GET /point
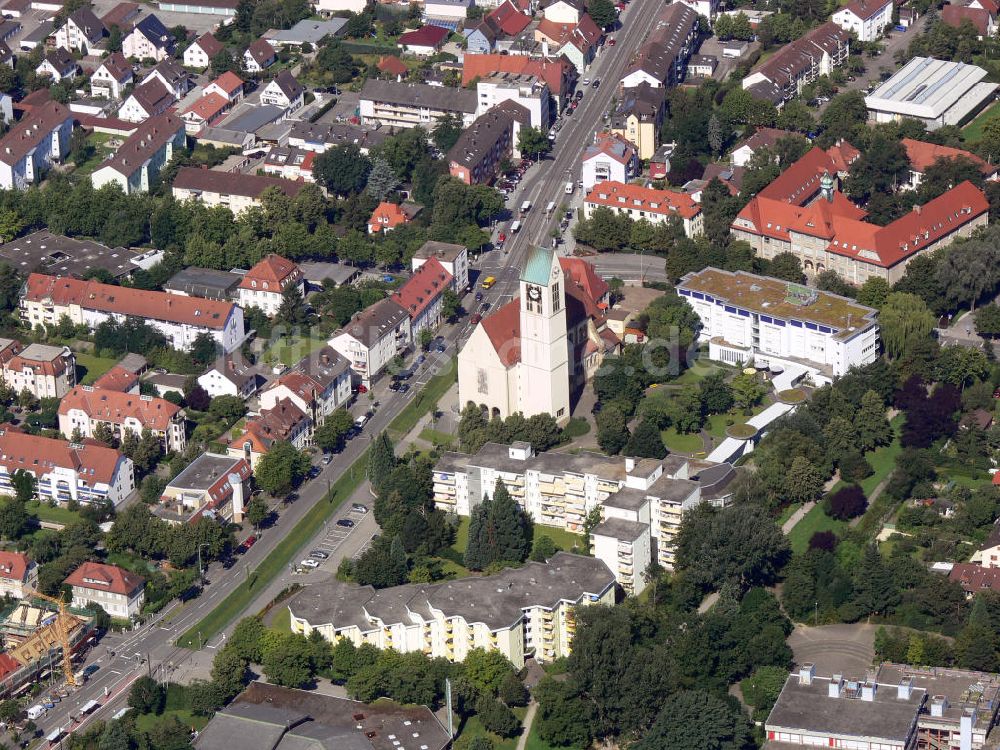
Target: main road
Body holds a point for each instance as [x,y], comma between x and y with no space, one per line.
[150,648]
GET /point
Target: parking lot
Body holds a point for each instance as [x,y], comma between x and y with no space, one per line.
[333,536]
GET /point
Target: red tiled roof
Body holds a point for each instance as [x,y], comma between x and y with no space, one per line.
[37,454]
[865,9]
[386,216]
[8,665]
[272,269]
[229,82]
[93,295]
[31,131]
[261,50]
[121,13]
[843,155]
[270,426]
[975,578]
[392,65]
[425,36]
[509,18]
[112,406]
[801,181]
[616,194]
[584,275]
[991,5]
[52,367]
[956,15]
[13,565]
[117,66]
[209,44]
[208,106]
[101,577]
[423,287]
[922,155]
[117,379]
[583,35]
[553,72]
[504,329]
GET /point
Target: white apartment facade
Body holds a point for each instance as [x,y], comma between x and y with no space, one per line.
[452,257]
[18,575]
[373,339]
[866,18]
[637,202]
[34,145]
[86,407]
[529,91]
[42,370]
[118,592]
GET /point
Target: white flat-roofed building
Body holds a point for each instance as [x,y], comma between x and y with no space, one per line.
[935,92]
[454,258]
[523,612]
[763,321]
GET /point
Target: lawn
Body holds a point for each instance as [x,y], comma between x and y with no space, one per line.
[534,741]
[146,722]
[291,349]
[101,151]
[436,437]
[472,728]
[564,540]
[813,521]
[695,374]
[787,513]
[90,367]
[682,442]
[281,620]
[883,460]
[974,130]
[47,513]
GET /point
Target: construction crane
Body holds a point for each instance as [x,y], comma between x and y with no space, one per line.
[61,628]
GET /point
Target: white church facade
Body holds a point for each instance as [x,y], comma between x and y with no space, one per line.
[530,354]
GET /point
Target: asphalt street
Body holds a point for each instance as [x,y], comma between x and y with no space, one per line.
[149,649]
[630,267]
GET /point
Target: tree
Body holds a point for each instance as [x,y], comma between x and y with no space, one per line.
[695,720]
[875,591]
[496,717]
[543,548]
[646,441]
[684,410]
[147,696]
[847,502]
[257,511]
[961,365]
[343,170]
[487,670]
[612,429]
[602,12]
[281,469]
[988,321]
[292,311]
[287,661]
[870,423]
[197,398]
[532,141]
[512,691]
[114,737]
[903,319]
[14,519]
[873,292]
[788,267]
[381,460]
[715,139]
[25,485]
[715,394]
[382,180]
[748,391]
[205,349]
[761,689]
[446,134]
[332,434]
[230,672]
[499,531]
[563,716]
[803,482]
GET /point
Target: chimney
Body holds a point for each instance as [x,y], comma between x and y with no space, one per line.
[807,671]
[905,689]
[836,684]
[629,464]
[916,209]
[868,691]
[938,705]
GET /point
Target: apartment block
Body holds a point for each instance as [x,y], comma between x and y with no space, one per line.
[408,105]
[801,62]
[638,202]
[42,370]
[85,407]
[32,146]
[136,165]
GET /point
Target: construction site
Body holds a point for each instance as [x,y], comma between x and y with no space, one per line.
[41,637]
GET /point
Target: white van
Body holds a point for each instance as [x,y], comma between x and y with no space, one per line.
[35,711]
[525,207]
[361,421]
[569,188]
[515,226]
[550,208]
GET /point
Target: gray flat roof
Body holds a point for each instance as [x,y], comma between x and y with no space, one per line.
[55,254]
[619,528]
[441,250]
[338,273]
[925,88]
[42,352]
[203,282]
[204,471]
[252,118]
[306,31]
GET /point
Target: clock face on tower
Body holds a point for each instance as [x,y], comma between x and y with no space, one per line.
[534,293]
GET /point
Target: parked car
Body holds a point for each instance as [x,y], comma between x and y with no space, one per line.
[319,554]
[403,387]
[249,542]
[346,523]
[475,318]
[309,563]
[359,508]
[327,458]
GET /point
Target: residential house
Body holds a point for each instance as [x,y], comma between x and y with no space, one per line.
[42,370]
[702,66]
[119,592]
[983,20]
[563,11]
[307,31]
[923,155]
[829,233]
[320,136]
[505,20]
[83,32]
[637,202]
[490,140]
[519,612]
[373,338]
[393,67]
[33,145]
[265,284]
[408,105]
[180,319]
[662,59]
[136,165]
[610,158]
[172,75]
[204,111]
[639,117]
[58,65]
[259,56]
[529,91]
[423,42]
[146,100]
[285,422]
[120,15]
[200,52]
[237,192]
[387,216]
[228,85]
[226,8]
[283,91]
[149,38]
[481,39]
[120,379]
[290,163]
[558,73]
[212,486]
[816,53]
[229,377]
[764,138]
[111,77]
[578,42]
[447,13]
[422,294]
[18,575]
[866,18]
[86,473]
[86,407]
[318,384]
[453,258]
[328,7]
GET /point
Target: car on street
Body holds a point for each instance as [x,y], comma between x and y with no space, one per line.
[441,346]
[90,669]
[569,111]
[362,389]
[485,306]
[394,385]
[586,81]
[579,94]
[403,387]
[346,523]
[475,318]
[319,554]
[327,458]
[309,563]
[361,421]
[479,296]
[421,358]
[313,472]
[611,41]
[249,542]
[596,83]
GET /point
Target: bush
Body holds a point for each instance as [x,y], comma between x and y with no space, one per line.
[854,467]
[496,717]
[824,540]
[847,502]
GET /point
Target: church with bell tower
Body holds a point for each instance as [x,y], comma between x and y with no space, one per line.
[529,354]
